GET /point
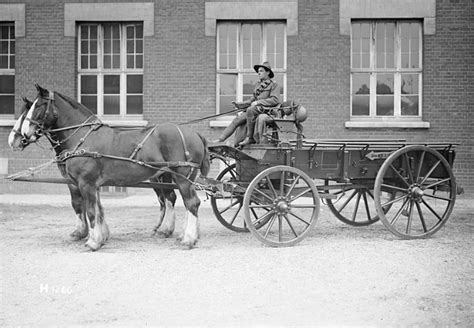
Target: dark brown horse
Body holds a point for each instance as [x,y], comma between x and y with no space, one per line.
[91,154]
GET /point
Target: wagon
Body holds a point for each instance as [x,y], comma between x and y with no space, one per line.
[274,190]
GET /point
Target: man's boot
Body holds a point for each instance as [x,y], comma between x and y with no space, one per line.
[236,122]
[250,127]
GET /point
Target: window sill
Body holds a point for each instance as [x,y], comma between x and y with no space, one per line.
[387,124]
[7,122]
[219,123]
[125,122]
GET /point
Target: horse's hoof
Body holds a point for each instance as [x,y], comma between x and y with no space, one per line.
[93,245]
[164,234]
[77,235]
[188,244]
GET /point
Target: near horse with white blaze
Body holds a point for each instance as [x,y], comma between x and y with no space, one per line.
[91,154]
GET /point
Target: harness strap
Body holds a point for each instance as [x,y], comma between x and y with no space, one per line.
[140,145]
[64,156]
[186,152]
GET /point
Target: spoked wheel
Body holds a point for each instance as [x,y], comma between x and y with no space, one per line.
[355,205]
[281,206]
[425,187]
[228,207]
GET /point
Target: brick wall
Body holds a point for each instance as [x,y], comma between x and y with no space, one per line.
[180,82]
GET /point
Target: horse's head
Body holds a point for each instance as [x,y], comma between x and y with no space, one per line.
[40,117]
[16,140]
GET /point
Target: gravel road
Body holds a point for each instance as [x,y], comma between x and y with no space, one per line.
[338,275]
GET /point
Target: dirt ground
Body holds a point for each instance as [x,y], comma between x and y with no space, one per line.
[339,275]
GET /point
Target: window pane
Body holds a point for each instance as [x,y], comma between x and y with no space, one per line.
[7,84]
[409,105]
[84,47]
[134,83]
[249,81]
[139,46]
[84,62]
[361,84]
[130,32]
[7,105]
[3,47]
[409,94]
[360,45]
[111,84]
[385,38]
[111,105]
[90,102]
[360,105]
[410,44]
[360,94]
[93,32]
[385,101]
[116,61]
[227,46]
[251,35]
[227,92]
[130,61]
[409,83]
[139,61]
[134,104]
[275,44]
[89,84]
[93,61]
[3,61]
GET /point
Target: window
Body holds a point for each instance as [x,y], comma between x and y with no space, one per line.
[240,46]
[386,69]
[111,69]
[7,69]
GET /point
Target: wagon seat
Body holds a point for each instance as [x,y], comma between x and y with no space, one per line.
[283,124]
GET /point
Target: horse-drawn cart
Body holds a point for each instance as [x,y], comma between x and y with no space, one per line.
[272,190]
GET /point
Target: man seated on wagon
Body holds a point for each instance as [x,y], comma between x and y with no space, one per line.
[265,96]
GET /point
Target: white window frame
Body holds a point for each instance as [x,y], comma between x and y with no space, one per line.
[9,71]
[100,72]
[239,70]
[395,120]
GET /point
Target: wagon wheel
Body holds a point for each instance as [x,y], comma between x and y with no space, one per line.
[355,205]
[281,206]
[425,187]
[228,207]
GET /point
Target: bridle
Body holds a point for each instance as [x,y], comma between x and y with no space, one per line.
[50,133]
[45,113]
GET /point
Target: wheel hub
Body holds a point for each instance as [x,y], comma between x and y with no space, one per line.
[282,206]
[416,193]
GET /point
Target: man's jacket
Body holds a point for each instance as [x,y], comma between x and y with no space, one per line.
[266,93]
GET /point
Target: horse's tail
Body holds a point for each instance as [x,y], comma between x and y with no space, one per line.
[206,162]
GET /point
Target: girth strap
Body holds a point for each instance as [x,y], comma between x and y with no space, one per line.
[186,152]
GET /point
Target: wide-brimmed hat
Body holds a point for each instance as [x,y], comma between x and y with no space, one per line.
[265,65]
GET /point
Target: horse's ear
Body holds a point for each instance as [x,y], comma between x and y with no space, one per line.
[42,91]
[27,101]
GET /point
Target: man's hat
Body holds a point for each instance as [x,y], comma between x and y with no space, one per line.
[265,65]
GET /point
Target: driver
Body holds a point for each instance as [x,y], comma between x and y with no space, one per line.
[265,94]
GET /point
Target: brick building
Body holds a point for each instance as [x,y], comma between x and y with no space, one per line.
[364,68]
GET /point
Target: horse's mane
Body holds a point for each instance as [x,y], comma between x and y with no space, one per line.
[75,104]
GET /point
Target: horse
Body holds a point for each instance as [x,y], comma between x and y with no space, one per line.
[91,154]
